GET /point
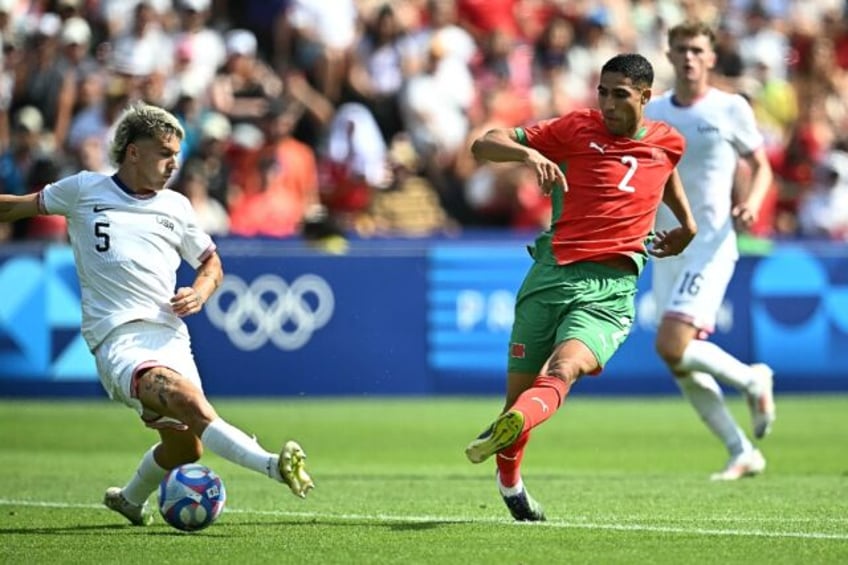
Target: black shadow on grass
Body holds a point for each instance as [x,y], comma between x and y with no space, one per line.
[393,525]
[101,529]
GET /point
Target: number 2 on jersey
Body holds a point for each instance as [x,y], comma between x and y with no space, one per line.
[633,164]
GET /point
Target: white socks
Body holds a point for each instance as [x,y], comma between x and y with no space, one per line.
[510,491]
[706,357]
[147,477]
[705,395]
[234,445]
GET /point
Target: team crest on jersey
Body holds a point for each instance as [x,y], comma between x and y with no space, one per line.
[517,350]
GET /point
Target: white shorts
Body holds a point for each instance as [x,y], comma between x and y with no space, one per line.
[691,289]
[135,346]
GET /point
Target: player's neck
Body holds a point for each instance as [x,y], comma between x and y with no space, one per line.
[128,184]
[686,93]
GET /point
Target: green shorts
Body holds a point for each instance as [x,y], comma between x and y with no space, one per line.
[587,301]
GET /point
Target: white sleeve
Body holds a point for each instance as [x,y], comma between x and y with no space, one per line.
[61,197]
[747,137]
[196,244]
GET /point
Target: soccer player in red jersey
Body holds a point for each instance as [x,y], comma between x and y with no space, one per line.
[607,170]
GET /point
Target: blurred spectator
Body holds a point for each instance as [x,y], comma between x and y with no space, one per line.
[763,42]
[8,62]
[265,18]
[190,111]
[809,140]
[117,15]
[410,205]
[212,152]
[75,41]
[377,72]
[199,47]
[211,215]
[98,119]
[442,22]
[505,74]
[556,90]
[482,17]
[353,165]
[434,105]
[319,39]
[43,81]
[595,45]
[17,162]
[296,164]
[90,154]
[823,210]
[143,53]
[243,87]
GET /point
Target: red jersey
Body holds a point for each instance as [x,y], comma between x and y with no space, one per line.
[615,185]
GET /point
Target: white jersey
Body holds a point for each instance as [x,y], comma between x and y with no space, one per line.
[718,127]
[127,249]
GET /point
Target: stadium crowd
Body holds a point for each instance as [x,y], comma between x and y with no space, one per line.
[355,116]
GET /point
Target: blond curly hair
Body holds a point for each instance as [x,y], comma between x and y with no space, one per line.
[142,121]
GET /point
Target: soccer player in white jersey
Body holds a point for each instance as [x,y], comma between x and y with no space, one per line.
[129,235]
[688,289]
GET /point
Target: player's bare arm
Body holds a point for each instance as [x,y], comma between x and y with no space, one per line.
[745,213]
[189,300]
[14,208]
[673,242]
[501,145]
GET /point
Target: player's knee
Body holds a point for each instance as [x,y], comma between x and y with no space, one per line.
[668,352]
[566,370]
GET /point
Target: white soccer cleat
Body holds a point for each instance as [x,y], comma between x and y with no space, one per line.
[292,467]
[137,514]
[761,403]
[746,464]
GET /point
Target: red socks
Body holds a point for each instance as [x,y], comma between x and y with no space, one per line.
[541,401]
[509,461]
[537,403]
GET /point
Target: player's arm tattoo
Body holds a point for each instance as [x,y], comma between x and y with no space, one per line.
[209,277]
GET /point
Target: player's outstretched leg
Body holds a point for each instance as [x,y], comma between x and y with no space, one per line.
[137,514]
[501,434]
[761,401]
[521,505]
[292,467]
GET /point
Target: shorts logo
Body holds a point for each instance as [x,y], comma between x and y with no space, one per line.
[517,350]
[270,309]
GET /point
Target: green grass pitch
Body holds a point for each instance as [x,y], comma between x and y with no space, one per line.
[622,481]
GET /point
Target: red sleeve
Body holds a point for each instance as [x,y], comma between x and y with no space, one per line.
[552,137]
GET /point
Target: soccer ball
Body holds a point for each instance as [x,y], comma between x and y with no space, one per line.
[191,497]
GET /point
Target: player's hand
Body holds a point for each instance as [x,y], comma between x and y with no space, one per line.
[744,216]
[548,174]
[671,242]
[186,301]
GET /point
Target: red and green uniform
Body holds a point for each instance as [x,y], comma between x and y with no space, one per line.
[615,185]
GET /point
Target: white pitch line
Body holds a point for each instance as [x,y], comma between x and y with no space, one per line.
[564,524]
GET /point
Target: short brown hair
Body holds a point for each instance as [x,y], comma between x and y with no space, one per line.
[692,28]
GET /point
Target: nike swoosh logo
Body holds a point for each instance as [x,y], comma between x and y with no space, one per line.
[103,208]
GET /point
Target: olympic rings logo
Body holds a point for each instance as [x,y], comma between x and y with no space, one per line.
[269,309]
